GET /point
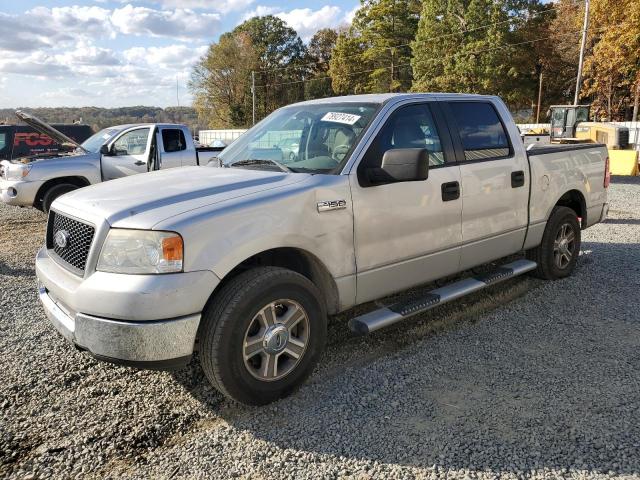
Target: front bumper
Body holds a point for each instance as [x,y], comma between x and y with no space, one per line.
[143,320]
[19,192]
[162,344]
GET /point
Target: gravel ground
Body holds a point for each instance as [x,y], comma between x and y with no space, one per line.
[529,378]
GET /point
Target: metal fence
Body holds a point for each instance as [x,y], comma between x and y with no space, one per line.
[207,137]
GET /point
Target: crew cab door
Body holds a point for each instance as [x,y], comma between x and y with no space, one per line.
[495,180]
[129,154]
[407,233]
[173,148]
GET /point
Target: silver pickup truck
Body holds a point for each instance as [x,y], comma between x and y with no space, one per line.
[244,262]
[111,153]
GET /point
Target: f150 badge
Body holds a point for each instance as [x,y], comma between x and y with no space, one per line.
[328,205]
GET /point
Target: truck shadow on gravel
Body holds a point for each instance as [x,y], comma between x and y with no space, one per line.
[489,384]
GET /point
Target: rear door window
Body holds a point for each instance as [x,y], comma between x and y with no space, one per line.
[173,140]
[481,132]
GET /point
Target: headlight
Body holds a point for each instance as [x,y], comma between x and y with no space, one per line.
[17,171]
[141,251]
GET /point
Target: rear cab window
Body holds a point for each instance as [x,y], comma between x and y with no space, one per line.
[482,133]
[173,140]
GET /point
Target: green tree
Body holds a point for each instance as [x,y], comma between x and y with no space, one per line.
[479,46]
[377,46]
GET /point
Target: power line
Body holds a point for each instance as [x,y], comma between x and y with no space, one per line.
[451,34]
[475,52]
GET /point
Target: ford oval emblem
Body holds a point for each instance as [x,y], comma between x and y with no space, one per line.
[61,238]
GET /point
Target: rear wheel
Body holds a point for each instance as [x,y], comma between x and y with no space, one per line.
[558,253]
[262,334]
[53,193]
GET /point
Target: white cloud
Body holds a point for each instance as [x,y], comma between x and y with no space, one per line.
[219,6]
[306,21]
[180,23]
[84,20]
[173,57]
[348,17]
[259,11]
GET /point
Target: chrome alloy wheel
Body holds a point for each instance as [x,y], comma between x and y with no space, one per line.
[564,246]
[276,340]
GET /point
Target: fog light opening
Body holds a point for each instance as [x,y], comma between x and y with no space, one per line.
[12,192]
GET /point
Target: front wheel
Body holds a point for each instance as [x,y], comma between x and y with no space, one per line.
[55,192]
[558,253]
[262,334]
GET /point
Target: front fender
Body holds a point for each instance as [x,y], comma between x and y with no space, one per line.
[85,166]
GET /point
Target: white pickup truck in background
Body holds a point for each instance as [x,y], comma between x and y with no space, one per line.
[113,152]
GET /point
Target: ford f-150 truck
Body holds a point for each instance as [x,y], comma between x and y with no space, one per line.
[245,262]
[111,153]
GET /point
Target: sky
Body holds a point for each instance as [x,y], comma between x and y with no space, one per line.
[112,53]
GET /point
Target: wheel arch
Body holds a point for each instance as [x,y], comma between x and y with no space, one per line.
[76,180]
[573,199]
[297,260]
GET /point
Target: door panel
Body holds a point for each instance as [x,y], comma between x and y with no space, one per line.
[405,233]
[495,183]
[173,148]
[131,151]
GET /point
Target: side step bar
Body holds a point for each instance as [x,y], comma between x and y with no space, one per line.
[386,316]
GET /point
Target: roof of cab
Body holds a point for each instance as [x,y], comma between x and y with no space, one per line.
[386,97]
[126,126]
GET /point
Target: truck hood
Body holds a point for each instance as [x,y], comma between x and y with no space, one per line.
[142,201]
[47,129]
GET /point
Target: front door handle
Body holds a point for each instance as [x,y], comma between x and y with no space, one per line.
[517,179]
[140,162]
[450,191]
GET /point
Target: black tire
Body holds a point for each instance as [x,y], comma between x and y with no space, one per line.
[545,254]
[226,321]
[53,193]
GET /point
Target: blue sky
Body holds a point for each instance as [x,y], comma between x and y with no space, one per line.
[126,52]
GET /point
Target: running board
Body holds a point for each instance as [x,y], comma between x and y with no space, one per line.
[386,316]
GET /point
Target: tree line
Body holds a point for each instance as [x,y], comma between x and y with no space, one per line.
[517,49]
[99,118]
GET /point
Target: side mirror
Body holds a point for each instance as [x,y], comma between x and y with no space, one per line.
[402,165]
[104,150]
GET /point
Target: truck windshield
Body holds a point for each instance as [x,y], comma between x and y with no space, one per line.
[95,141]
[311,138]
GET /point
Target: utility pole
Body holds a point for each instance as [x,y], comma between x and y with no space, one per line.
[177,94]
[253,95]
[539,97]
[582,47]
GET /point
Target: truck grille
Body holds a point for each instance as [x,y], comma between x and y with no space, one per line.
[69,240]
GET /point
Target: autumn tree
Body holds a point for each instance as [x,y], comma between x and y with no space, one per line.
[612,67]
[280,68]
[220,81]
[319,52]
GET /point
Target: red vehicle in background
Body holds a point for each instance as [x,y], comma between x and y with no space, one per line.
[18,141]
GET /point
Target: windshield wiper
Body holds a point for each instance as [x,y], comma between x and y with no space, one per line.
[258,161]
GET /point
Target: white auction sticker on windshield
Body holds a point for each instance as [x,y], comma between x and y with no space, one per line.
[346,118]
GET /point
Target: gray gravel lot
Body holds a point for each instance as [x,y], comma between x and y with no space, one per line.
[529,378]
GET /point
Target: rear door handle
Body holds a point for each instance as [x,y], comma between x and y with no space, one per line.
[140,162]
[517,179]
[450,191]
